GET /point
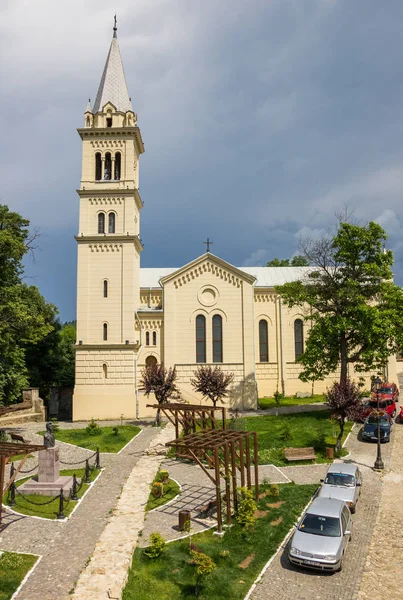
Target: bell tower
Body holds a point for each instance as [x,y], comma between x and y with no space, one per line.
[109,247]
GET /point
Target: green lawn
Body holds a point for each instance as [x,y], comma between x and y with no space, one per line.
[294,431]
[239,555]
[48,511]
[106,440]
[171,489]
[266,403]
[13,568]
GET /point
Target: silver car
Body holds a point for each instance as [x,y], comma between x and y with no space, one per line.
[342,481]
[322,535]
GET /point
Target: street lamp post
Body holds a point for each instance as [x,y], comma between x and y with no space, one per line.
[379,462]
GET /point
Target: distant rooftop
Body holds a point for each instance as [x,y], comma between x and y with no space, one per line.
[265,276]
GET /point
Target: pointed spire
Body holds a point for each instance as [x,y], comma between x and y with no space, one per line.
[113,87]
[88,109]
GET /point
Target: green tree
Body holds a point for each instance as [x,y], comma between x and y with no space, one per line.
[350,301]
[25,316]
[295,261]
[51,361]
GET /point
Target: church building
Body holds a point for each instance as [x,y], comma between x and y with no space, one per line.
[205,312]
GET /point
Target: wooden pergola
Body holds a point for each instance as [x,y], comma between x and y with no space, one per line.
[224,454]
[220,452]
[192,416]
[7,451]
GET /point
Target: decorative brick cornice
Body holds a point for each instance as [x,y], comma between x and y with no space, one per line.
[206,267]
[105,201]
[150,324]
[113,132]
[262,297]
[105,247]
[107,144]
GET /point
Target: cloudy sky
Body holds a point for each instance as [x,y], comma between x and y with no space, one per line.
[261,120]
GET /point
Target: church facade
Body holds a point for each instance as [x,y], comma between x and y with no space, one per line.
[205,312]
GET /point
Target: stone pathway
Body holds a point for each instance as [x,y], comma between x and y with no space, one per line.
[106,574]
[384,563]
[67,546]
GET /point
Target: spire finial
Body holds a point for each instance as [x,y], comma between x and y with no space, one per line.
[115,28]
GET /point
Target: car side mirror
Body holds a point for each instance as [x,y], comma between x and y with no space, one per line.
[295,524]
[358,484]
[347,532]
[322,480]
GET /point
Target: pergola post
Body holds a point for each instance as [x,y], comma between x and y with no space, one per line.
[233,469]
[248,477]
[241,462]
[218,490]
[256,464]
[227,484]
[2,471]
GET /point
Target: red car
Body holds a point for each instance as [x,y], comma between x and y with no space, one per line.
[388,394]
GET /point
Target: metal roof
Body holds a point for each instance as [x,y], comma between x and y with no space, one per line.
[265,276]
[326,507]
[348,469]
[113,87]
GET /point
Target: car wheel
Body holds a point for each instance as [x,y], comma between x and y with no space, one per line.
[341,564]
[352,510]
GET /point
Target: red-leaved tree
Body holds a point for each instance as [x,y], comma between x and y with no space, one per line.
[344,400]
[161,381]
[212,383]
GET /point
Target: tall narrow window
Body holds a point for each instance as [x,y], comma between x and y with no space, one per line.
[109,121]
[108,166]
[154,338]
[298,338]
[105,370]
[98,166]
[118,162]
[147,338]
[263,341]
[111,222]
[105,331]
[217,338]
[200,339]
[101,222]
[105,288]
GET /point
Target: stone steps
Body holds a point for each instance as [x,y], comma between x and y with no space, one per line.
[17,419]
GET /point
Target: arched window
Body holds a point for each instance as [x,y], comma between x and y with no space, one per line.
[101,222]
[108,166]
[154,338]
[298,338]
[105,370]
[263,341]
[147,338]
[118,161]
[200,339]
[105,331]
[105,288]
[217,338]
[98,166]
[151,361]
[111,222]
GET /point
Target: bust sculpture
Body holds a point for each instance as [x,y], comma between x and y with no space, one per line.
[49,438]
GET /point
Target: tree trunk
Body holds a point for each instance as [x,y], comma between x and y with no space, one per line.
[343,358]
[158,417]
[340,436]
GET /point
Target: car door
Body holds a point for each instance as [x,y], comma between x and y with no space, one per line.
[345,521]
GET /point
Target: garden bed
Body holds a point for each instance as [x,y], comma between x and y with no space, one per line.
[268,403]
[47,511]
[106,439]
[239,555]
[299,430]
[171,489]
[13,568]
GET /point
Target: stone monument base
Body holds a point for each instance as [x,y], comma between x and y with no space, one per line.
[47,488]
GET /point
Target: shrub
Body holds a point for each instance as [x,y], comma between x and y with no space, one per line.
[162,476]
[274,490]
[115,431]
[286,434]
[246,508]
[224,553]
[4,436]
[156,547]
[204,566]
[157,489]
[55,424]
[92,428]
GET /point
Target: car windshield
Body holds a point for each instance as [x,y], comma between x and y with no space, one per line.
[374,404]
[340,479]
[386,390]
[372,419]
[318,525]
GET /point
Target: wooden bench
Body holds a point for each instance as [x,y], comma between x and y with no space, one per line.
[299,454]
[15,437]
